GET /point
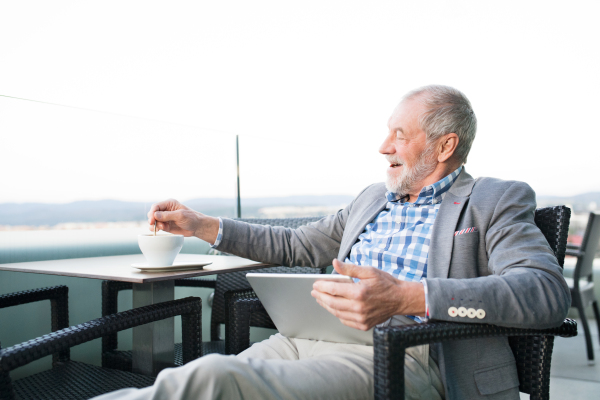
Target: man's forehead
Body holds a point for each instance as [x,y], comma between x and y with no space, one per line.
[405,115]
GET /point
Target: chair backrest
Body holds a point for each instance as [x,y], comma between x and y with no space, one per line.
[534,353]
[237,280]
[554,224]
[589,244]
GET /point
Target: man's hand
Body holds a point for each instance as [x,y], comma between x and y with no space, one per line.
[172,216]
[371,301]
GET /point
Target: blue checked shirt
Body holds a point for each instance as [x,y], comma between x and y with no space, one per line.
[397,241]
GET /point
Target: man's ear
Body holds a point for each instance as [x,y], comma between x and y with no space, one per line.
[447,146]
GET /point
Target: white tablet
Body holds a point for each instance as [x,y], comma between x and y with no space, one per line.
[296,314]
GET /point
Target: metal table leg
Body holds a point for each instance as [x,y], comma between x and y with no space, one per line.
[153,343]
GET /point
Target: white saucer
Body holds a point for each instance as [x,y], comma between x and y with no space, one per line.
[177,266]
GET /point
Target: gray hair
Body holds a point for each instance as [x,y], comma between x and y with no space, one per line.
[447,110]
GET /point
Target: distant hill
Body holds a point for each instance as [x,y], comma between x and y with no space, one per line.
[580,203]
[39,214]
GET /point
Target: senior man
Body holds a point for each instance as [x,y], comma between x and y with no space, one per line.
[432,242]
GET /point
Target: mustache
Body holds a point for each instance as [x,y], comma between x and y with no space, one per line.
[394,160]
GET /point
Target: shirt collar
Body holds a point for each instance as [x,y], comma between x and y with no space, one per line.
[431,194]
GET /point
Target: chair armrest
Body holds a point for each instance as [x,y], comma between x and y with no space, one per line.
[574,252]
[573,246]
[196,282]
[30,296]
[390,344]
[241,306]
[59,308]
[189,308]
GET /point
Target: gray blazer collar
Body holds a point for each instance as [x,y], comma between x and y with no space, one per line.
[463,185]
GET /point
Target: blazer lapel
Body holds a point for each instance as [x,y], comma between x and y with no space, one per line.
[442,235]
[357,226]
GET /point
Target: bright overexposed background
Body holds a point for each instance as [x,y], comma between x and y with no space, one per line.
[146,97]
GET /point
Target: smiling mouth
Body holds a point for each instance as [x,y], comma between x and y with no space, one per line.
[395,165]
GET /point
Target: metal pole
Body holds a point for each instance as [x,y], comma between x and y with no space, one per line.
[239,199]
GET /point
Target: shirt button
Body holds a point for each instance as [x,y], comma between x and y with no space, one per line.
[471,313]
[452,311]
[480,314]
[462,312]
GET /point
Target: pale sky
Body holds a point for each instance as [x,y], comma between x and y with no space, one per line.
[308,86]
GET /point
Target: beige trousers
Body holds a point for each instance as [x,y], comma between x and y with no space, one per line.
[286,368]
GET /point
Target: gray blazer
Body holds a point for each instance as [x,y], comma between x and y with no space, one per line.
[505,267]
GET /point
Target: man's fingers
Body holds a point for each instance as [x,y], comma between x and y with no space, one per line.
[341,289]
[166,205]
[334,302]
[164,216]
[348,318]
[153,209]
[355,271]
[162,206]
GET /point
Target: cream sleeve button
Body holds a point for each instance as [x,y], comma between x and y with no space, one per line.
[480,314]
[462,312]
[471,313]
[452,311]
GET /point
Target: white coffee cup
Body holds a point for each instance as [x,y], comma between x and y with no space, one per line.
[160,250]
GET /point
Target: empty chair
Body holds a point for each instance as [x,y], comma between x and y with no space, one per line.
[68,379]
[582,284]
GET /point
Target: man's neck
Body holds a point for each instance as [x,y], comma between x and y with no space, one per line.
[441,171]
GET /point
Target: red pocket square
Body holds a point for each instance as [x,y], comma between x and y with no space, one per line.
[466,230]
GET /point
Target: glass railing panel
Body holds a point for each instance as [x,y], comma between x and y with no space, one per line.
[79,183]
[281,178]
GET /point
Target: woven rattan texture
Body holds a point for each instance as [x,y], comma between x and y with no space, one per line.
[532,348]
[207,348]
[113,358]
[554,224]
[237,280]
[59,309]
[534,353]
[243,307]
[390,343]
[16,356]
[74,380]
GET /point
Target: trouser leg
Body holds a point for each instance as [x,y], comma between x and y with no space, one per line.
[284,368]
[277,368]
[422,378]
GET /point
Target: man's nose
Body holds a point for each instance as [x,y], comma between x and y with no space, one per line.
[387,147]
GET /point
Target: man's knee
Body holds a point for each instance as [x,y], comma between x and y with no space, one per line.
[216,376]
[213,367]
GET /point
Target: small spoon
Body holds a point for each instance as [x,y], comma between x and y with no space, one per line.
[154,227]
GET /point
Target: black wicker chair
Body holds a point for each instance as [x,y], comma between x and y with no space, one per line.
[114,358]
[582,284]
[532,348]
[75,380]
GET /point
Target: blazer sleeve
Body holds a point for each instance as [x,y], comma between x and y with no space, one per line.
[525,288]
[313,245]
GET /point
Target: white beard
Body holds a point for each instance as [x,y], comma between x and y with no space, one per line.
[405,183]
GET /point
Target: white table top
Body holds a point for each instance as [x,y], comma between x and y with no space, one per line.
[118,268]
